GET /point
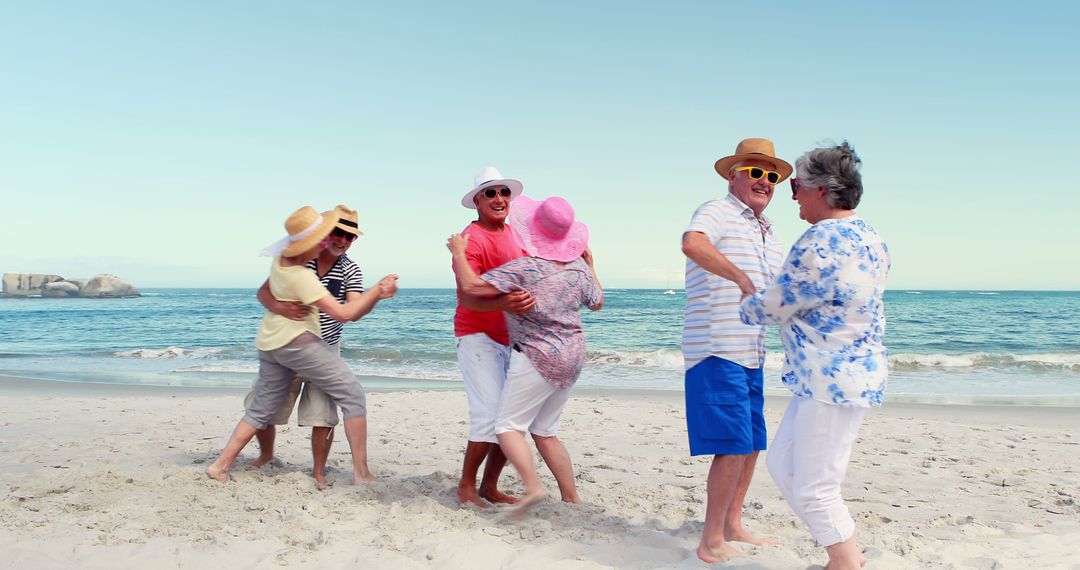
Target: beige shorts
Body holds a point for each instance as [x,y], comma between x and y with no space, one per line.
[316,408]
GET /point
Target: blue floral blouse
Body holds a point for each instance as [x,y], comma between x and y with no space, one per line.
[827,299]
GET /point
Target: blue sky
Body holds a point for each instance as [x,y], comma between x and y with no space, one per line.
[167,142]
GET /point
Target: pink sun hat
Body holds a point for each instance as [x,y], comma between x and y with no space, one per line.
[548,228]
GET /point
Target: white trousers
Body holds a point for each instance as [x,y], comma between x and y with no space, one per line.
[483,364]
[808,459]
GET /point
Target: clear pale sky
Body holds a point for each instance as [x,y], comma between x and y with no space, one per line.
[167,142]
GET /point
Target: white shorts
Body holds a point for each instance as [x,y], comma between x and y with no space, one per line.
[316,409]
[483,364]
[529,403]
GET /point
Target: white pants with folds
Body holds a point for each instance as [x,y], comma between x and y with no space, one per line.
[808,459]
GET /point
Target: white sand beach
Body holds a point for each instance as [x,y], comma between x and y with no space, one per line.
[105,476]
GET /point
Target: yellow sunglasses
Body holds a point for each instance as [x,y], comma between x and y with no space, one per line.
[756,172]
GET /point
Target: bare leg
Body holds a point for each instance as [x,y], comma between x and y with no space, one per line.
[558,461]
[517,451]
[733,528]
[265,438]
[475,452]
[356,433]
[724,478]
[845,555]
[489,485]
[321,440]
[219,469]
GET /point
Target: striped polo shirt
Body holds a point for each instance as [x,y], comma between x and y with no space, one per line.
[344,277]
[712,326]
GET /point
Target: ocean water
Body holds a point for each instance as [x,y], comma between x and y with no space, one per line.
[1000,347]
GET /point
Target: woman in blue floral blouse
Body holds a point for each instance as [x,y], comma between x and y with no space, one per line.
[827,299]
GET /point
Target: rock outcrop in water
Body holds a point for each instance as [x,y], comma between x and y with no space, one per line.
[42,285]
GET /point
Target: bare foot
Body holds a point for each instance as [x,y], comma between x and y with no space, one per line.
[526,502]
[466,495]
[321,484]
[740,535]
[217,473]
[575,500]
[497,496]
[363,478]
[260,461]
[718,553]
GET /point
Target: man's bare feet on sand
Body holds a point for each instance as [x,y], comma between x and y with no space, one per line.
[322,482]
[467,495]
[521,508]
[217,473]
[496,496]
[740,535]
[719,553]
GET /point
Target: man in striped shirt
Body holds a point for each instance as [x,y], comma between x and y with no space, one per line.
[730,253]
[343,278]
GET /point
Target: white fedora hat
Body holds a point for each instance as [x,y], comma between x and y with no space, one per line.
[490,176]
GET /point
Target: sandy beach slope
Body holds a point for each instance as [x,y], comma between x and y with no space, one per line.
[95,476]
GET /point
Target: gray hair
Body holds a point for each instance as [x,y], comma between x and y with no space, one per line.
[835,168]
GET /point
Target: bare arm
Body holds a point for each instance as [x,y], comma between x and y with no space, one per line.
[359,306]
[467,280]
[587,256]
[288,309]
[697,247]
[517,302]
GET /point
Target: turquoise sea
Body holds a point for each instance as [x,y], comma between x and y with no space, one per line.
[1006,347]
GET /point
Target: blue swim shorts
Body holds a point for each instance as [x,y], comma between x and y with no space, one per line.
[725,406]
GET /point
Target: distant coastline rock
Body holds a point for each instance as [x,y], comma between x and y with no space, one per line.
[55,286]
[60,289]
[27,284]
[108,286]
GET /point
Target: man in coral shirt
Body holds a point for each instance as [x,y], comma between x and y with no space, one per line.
[483,349]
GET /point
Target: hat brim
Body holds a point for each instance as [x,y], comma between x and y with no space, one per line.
[354,230]
[723,166]
[514,186]
[309,241]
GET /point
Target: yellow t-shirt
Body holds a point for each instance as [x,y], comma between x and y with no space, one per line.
[295,283]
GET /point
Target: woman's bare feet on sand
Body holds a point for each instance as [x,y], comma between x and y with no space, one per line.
[526,502]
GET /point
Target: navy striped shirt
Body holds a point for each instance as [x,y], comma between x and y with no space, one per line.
[344,277]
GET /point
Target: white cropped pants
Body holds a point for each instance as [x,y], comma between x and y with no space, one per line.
[808,459]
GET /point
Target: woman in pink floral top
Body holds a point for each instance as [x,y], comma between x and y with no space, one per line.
[548,342]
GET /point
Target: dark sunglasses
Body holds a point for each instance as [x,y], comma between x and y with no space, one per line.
[340,233]
[756,173]
[490,193]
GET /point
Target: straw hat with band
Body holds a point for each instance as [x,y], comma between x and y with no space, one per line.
[306,228]
[490,176]
[348,220]
[549,229]
[758,149]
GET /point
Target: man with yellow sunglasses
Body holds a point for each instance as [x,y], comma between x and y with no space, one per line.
[730,254]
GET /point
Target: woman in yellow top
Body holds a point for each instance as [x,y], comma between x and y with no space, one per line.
[290,348]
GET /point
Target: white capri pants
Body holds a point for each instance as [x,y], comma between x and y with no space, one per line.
[529,402]
[483,364]
[808,460]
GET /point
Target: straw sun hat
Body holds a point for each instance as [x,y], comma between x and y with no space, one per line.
[306,228]
[348,220]
[759,149]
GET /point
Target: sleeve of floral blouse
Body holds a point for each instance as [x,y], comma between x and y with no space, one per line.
[805,281]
